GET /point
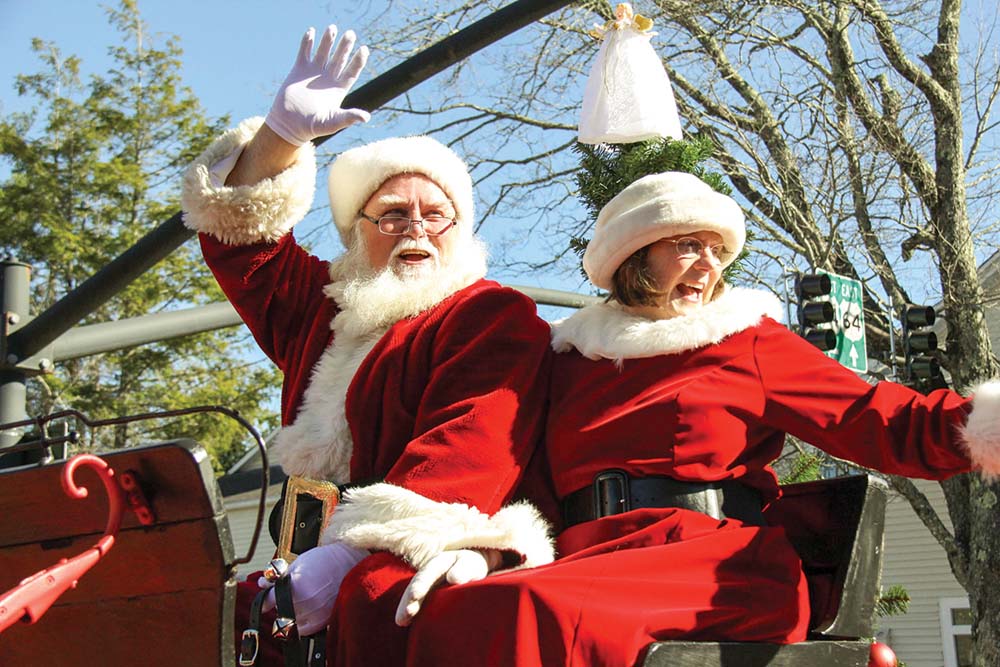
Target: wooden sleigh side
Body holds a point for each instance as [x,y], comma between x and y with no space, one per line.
[162,596]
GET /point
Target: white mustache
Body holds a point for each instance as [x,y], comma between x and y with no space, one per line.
[407,244]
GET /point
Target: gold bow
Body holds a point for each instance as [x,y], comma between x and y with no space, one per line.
[624,17]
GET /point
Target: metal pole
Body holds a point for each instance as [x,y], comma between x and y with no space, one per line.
[891,317]
[788,299]
[170,235]
[453,48]
[121,334]
[14,294]
[99,288]
[552,297]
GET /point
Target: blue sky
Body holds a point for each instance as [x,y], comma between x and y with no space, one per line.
[235,53]
[235,56]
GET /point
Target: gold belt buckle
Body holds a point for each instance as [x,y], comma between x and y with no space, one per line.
[327,492]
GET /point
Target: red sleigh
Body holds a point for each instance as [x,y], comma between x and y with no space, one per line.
[34,595]
[157,588]
[164,595]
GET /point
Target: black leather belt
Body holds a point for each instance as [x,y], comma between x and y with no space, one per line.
[615,491]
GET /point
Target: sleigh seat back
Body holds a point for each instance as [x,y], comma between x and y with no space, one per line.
[836,526]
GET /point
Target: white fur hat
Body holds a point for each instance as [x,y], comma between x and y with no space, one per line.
[357,173]
[655,207]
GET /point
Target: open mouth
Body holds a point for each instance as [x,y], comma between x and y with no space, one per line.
[413,256]
[690,292]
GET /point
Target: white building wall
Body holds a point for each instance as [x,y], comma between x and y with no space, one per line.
[914,559]
[242,511]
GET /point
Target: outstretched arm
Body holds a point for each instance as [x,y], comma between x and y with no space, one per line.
[244,213]
[887,427]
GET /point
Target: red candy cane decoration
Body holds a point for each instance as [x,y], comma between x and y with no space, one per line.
[34,595]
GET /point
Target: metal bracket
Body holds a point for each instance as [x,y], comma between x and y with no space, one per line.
[136,498]
[39,363]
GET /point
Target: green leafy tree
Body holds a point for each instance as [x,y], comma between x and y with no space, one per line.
[93,167]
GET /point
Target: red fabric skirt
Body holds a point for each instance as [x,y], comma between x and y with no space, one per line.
[628,580]
[363,630]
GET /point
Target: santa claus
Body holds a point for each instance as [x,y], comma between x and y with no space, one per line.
[403,367]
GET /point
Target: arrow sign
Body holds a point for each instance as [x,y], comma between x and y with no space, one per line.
[851,350]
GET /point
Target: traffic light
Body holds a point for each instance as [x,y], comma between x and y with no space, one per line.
[917,343]
[812,313]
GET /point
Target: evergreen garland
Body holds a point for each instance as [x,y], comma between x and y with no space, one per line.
[805,468]
[607,169]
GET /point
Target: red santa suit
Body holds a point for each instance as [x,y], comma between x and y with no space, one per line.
[442,401]
[703,397]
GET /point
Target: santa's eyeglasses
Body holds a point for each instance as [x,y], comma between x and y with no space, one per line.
[397,225]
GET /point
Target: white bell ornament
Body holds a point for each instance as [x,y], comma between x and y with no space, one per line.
[628,97]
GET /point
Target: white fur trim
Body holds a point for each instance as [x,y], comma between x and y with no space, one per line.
[391,518]
[981,433]
[248,213]
[607,331]
[654,207]
[356,174]
[319,444]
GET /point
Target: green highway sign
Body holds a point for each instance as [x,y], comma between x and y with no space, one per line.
[848,323]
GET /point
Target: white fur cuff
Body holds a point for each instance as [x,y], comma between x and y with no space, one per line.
[391,518]
[249,213]
[982,432]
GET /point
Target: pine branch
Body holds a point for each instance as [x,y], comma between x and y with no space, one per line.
[892,601]
[805,468]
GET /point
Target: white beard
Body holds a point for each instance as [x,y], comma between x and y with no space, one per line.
[319,443]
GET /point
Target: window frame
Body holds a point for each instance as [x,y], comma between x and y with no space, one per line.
[949,630]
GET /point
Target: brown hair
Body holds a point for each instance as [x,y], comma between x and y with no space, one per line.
[633,283]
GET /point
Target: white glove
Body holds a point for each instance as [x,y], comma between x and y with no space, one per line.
[458,566]
[315,579]
[308,103]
